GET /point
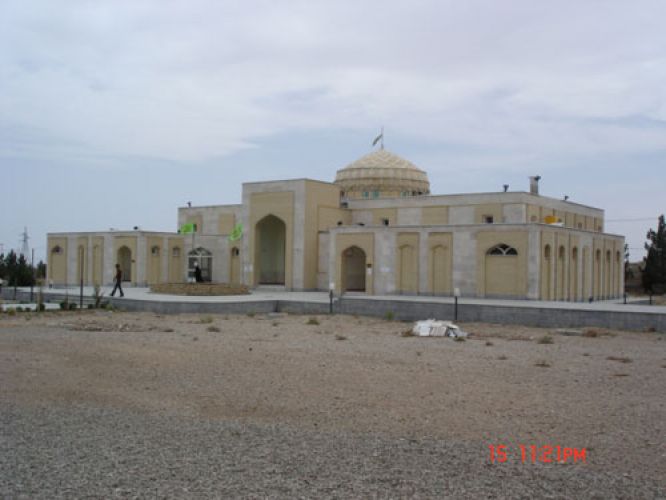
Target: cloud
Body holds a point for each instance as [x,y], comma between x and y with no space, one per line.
[194,80]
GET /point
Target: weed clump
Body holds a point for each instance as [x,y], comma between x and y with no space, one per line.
[213,329]
[312,321]
[546,339]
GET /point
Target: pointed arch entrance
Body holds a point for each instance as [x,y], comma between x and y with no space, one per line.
[353,269]
[125,262]
[270,251]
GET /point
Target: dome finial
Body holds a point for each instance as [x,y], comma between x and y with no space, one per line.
[379,138]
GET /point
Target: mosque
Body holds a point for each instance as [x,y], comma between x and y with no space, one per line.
[377,230]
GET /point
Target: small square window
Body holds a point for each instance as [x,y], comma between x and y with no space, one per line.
[366,194]
[375,194]
[488,219]
[385,222]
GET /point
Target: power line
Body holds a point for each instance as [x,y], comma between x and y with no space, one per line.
[631,220]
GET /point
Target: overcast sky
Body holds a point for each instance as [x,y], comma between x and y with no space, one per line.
[114,113]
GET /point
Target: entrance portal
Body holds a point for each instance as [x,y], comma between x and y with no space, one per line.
[353,270]
[125,261]
[270,251]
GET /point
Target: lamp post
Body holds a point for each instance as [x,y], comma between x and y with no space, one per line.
[456,294]
[331,294]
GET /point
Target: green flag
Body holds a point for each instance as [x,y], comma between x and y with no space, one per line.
[236,232]
[189,227]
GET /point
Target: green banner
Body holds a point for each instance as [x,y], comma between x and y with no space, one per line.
[190,227]
[236,232]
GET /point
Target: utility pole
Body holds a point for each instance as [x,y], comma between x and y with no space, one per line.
[24,242]
[32,267]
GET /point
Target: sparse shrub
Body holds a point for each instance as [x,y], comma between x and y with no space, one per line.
[97,296]
[168,330]
[91,306]
[619,359]
[407,333]
[275,323]
[590,333]
[41,307]
[19,309]
[542,364]
[206,320]
[546,339]
[250,315]
[213,329]
[489,343]
[194,339]
[620,374]
[72,306]
[340,337]
[313,321]
[459,339]
[389,316]
[64,305]
[11,311]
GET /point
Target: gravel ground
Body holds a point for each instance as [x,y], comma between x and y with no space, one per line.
[137,405]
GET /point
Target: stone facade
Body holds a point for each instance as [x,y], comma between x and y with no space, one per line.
[368,233]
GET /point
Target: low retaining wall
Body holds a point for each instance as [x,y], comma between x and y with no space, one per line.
[399,310]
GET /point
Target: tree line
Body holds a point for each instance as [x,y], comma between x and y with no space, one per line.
[15,270]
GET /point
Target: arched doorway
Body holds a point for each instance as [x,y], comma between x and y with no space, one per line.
[57,267]
[546,274]
[154,268]
[501,269]
[125,262]
[573,275]
[270,251]
[408,274]
[441,278]
[234,271]
[560,293]
[353,270]
[204,258]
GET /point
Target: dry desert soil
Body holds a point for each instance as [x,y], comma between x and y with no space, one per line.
[101,404]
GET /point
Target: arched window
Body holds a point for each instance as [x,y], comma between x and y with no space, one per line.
[155,251]
[175,252]
[204,258]
[56,250]
[502,249]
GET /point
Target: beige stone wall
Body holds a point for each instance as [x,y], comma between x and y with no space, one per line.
[440,263]
[226,223]
[488,210]
[379,214]
[321,200]
[438,215]
[407,263]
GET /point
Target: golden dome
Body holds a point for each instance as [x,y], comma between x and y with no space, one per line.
[381,174]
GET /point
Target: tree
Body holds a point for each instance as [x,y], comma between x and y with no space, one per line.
[654,275]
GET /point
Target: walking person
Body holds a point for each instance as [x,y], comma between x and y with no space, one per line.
[118,279]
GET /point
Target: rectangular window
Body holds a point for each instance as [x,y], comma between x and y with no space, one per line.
[488,219]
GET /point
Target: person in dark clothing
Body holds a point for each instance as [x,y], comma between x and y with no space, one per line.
[197,273]
[118,279]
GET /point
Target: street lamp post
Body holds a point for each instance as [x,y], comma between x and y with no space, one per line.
[456,294]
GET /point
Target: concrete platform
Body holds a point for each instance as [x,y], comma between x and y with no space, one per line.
[608,314]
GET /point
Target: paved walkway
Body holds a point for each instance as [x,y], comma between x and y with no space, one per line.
[144,294]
